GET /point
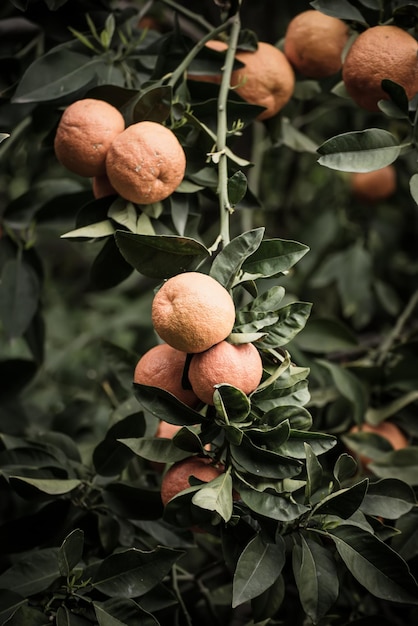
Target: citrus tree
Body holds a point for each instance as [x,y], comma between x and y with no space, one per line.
[208,303]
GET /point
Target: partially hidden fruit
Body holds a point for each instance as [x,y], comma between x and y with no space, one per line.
[266,80]
[390,431]
[192,312]
[101,187]
[371,187]
[145,163]
[176,479]
[162,366]
[84,134]
[237,365]
[314,43]
[378,53]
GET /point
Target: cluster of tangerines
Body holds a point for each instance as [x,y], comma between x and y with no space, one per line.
[143,163]
[193,314]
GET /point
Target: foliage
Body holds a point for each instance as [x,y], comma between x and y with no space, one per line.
[295,530]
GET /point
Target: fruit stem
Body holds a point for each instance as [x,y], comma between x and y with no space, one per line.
[222,128]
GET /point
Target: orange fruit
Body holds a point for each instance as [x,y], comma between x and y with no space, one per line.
[101,187]
[162,366]
[314,43]
[166,430]
[237,365]
[266,80]
[176,479]
[390,431]
[371,187]
[85,131]
[145,163]
[192,311]
[380,52]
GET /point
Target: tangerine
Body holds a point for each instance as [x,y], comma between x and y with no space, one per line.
[176,479]
[378,53]
[84,134]
[192,312]
[237,365]
[371,187]
[145,163]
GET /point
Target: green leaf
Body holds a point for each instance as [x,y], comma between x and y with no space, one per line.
[375,565]
[52,487]
[155,449]
[9,604]
[122,612]
[413,187]
[160,256]
[165,406]
[33,574]
[292,319]
[389,498]
[228,262]
[377,416]
[295,139]
[237,187]
[110,457]
[344,502]
[360,151]
[216,496]
[295,444]
[273,506]
[19,297]
[153,104]
[344,468]
[342,9]
[262,462]
[314,472]
[71,551]
[57,74]
[349,386]
[258,567]
[104,228]
[131,573]
[4,136]
[398,106]
[401,464]
[273,257]
[231,403]
[316,577]
[321,335]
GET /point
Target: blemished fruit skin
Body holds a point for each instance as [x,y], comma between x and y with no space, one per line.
[378,53]
[388,430]
[146,163]
[314,43]
[267,79]
[192,312]
[237,365]
[372,187]
[162,366]
[176,479]
[84,134]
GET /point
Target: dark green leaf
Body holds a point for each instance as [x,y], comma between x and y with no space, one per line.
[350,387]
[322,335]
[216,496]
[258,567]
[231,403]
[294,446]
[131,573]
[9,604]
[33,574]
[263,463]
[109,268]
[110,456]
[401,464]
[116,611]
[292,319]
[273,257]
[273,506]
[154,105]
[314,472]
[344,502]
[49,486]
[15,374]
[71,551]
[165,406]
[160,256]
[342,9]
[19,296]
[155,449]
[227,264]
[360,151]
[237,187]
[316,577]
[389,498]
[375,565]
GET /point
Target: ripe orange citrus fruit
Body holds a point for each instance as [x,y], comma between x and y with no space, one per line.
[314,43]
[371,187]
[162,366]
[145,163]
[380,52]
[85,131]
[176,479]
[192,311]
[390,431]
[266,80]
[237,365]
[101,187]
